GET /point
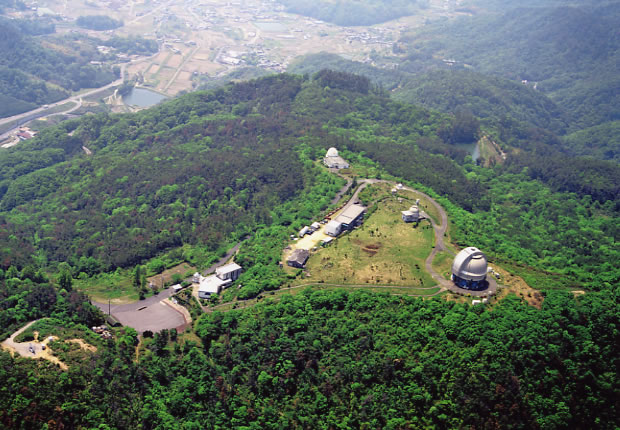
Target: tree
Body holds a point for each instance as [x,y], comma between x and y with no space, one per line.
[65,280]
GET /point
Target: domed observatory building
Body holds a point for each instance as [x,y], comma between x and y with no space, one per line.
[334,161]
[469,269]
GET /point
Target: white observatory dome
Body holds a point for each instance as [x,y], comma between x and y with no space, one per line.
[332,152]
[470,264]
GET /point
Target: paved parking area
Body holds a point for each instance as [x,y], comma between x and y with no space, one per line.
[155,317]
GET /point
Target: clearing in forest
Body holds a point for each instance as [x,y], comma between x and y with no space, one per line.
[383,251]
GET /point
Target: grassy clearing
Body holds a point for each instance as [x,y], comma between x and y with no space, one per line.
[115,286]
[71,345]
[174,274]
[442,263]
[383,251]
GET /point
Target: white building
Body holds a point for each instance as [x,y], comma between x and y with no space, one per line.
[212,285]
[223,278]
[229,271]
[334,161]
[412,215]
[333,228]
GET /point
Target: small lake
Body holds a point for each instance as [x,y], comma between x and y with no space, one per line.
[143,97]
[271,26]
[471,148]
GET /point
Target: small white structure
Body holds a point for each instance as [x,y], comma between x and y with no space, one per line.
[304,231]
[412,215]
[315,226]
[177,287]
[224,277]
[334,161]
[327,241]
[333,228]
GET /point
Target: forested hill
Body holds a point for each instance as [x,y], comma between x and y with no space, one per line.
[200,171]
[325,359]
[449,90]
[572,53]
[35,72]
[353,12]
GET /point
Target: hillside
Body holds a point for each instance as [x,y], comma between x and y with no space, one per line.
[35,72]
[577,69]
[323,359]
[185,178]
[489,98]
[353,12]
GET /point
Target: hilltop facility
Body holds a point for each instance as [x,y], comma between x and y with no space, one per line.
[350,218]
[469,269]
[223,278]
[334,161]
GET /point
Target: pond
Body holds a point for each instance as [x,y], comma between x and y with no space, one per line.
[143,97]
[271,26]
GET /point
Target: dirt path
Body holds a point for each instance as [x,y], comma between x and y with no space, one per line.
[33,349]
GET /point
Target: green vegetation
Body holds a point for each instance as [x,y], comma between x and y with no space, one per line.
[601,141]
[33,72]
[544,45]
[188,178]
[333,358]
[98,22]
[353,12]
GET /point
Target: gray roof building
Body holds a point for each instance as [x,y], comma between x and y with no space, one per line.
[298,258]
[351,216]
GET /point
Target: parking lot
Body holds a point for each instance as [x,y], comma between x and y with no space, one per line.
[155,317]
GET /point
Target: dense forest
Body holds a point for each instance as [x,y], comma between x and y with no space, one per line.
[354,12]
[325,359]
[98,22]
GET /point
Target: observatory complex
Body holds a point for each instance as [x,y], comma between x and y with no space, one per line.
[469,269]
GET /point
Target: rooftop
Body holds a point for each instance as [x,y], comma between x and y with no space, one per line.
[212,284]
[227,268]
[350,213]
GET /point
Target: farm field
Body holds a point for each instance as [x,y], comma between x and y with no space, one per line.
[203,36]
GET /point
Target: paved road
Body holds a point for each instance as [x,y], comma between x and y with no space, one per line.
[41,111]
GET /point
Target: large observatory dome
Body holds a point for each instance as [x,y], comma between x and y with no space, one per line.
[470,265]
[332,152]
